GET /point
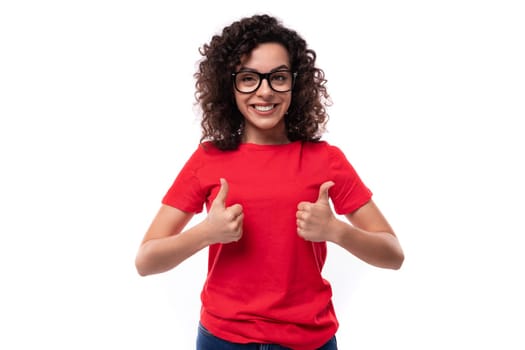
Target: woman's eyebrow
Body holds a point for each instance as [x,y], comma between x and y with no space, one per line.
[248,69]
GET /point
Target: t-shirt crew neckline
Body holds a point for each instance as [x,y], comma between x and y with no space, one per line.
[262,147]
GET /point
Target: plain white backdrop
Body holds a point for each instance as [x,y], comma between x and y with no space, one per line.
[97,118]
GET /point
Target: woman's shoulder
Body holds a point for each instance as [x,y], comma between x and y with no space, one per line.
[324,150]
[320,146]
[208,151]
[208,148]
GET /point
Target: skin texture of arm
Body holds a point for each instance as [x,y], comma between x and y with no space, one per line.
[368,235]
[165,245]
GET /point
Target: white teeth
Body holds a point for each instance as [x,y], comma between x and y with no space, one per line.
[264,108]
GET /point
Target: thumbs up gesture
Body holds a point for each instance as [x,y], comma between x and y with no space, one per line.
[225,223]
[313,218]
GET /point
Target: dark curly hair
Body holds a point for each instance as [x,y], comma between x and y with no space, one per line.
[222,122]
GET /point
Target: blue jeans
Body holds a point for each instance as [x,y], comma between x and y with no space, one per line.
[207,341]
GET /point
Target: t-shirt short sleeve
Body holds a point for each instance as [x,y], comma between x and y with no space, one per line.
[349,192]
[186,192]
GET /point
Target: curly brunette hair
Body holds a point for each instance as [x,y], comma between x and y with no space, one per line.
[222,123]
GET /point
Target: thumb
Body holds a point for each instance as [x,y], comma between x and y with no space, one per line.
[323,191]
[223,192]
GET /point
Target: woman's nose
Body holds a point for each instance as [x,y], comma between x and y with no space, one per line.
[265,88]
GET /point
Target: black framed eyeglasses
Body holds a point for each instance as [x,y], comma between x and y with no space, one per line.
[249,81]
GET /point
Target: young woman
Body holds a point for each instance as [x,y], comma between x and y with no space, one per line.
[266,180]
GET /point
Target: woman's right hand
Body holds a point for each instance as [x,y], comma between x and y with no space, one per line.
[164,246]
[224,223]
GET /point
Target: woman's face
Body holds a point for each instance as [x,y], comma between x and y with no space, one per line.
[264,108]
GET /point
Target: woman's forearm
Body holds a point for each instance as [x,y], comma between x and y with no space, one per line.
[163,254]
[381,249]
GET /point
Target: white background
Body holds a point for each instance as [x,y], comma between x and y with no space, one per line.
[97,118]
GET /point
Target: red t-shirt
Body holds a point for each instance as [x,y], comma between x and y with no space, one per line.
[268,287]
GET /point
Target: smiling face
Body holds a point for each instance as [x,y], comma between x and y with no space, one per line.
[264,109]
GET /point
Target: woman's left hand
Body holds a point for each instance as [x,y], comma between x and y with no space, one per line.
[314,220]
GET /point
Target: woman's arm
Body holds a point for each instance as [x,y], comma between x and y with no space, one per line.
[165,245]
[368,236]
